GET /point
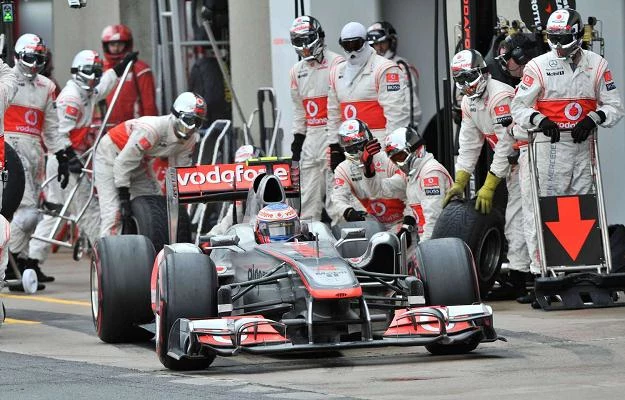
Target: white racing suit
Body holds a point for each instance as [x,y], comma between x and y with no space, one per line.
[349,185]
[482,119]
[377,96]
[8,88]
[424,189]
[123,158]
[75,112]
[414,75]
[550,88]
[309,93]
[29,123]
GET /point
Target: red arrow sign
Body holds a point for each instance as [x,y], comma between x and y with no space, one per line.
[571,231]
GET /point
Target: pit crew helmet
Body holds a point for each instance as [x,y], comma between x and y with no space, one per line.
[30,55]
[307,38]
[352,40]
[469,71]
[116,33]
[276,222]
[565,31]
[403,146]
[189,110]
[380,32]
[353,135]
[87,69]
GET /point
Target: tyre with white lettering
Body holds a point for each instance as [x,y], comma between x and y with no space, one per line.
[484,234]
[449,279]
[186,288]
[149,214]
[121,267]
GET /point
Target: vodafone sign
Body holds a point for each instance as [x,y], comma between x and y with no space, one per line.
[226,177]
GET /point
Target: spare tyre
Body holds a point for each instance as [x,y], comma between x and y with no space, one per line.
[149,215]
[484,234]
[14,186]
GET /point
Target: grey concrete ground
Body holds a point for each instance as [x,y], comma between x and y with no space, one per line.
[48,349]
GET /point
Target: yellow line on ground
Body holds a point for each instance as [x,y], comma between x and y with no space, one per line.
[20,321]
[45,299]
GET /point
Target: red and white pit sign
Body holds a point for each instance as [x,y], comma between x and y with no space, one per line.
[226,177]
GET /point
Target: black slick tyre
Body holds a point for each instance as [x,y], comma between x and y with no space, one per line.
[149,214]
[121,267]
[446,268]
[14,186]
[186,288]
[484,234]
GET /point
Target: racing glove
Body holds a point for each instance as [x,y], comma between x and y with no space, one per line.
[457,189]
[63,169]
[586,126]
[336,156]
[124,202]
[408,226]
[484,201]
[372,147]
[121,66]
[74,164]
[351,215]
[296,146]
[550,129]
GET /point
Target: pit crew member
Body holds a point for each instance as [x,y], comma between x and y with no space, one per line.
[382,36]
[349,186]
[31,122]
[309,93]
[75,105]
[122,158]
[137,97]
[566,88]
[423,180]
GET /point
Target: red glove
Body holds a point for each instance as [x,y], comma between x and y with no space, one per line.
[372,148]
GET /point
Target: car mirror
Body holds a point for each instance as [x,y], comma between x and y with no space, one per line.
[352,233]
[224,240]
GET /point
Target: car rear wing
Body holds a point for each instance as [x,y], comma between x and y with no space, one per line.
[223,182]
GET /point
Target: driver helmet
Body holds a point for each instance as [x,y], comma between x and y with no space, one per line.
[307,38]
[246,152]
[189,110]
[276,222]
[114,34]
[564,33]
[87,69]
[382,32]
[353,135]
[403,146]
[469,71]
[30,55]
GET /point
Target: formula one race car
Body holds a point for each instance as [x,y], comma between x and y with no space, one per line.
[226,294]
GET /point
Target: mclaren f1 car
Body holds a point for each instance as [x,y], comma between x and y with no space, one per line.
[350,287]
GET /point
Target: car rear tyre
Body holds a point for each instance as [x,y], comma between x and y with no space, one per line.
[120,287]
[149,214]
[14,187]
[484,234]
[186,288]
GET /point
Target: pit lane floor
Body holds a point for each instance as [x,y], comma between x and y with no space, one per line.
[48,349]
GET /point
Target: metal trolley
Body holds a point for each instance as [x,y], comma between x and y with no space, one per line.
[573,243]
